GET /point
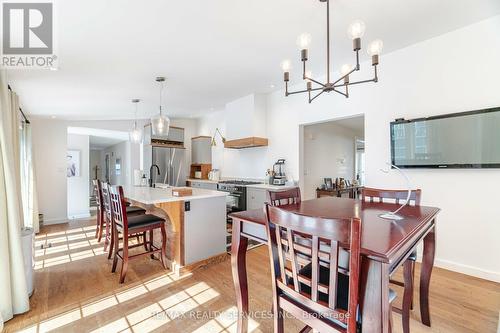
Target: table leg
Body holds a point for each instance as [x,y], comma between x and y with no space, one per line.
[238,266]
[425,275]
[374,296]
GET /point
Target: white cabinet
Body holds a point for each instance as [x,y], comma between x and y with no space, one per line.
[203,185]
[201,150]
[256,197]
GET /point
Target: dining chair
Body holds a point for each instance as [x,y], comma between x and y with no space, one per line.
[130,226]
[322,295]
[399,197]
[106,203]
[278,198]
[100,209]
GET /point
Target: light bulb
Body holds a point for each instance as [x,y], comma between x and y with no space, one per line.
[357,29]
[286,65]
[375,47]
[303,41]
[345,69]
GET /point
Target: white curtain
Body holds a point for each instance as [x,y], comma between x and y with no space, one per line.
[13,290]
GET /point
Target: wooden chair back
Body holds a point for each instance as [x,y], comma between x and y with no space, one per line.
[369,194]
[287,197]
[118,207]
[288,233]
[98,193]
[106,203]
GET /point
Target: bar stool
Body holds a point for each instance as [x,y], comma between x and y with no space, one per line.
[106,217]
[130,226]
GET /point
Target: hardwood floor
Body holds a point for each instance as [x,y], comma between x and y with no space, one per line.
[76,292]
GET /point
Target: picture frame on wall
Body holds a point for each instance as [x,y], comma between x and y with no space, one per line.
[328,183]
[73,163]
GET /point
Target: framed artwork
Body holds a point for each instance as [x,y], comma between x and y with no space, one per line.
[328,183]
[73,163]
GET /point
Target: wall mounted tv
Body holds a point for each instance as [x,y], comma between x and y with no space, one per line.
[459,140]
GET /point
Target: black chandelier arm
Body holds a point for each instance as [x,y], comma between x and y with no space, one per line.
[304,77]
[353,83]
[312,99]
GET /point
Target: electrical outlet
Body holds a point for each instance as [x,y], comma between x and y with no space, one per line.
[187,206]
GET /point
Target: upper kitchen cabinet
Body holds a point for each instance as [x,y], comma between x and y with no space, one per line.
[246,122]
[201,150]
[174,138]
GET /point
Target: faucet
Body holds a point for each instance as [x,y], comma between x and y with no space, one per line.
[151,183]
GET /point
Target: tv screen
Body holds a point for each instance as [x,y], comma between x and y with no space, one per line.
[460,140]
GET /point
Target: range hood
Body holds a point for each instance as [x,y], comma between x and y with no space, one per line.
[246,122]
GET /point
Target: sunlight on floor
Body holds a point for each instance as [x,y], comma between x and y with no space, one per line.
[226,322]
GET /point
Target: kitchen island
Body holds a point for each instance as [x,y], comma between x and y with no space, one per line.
[196,224]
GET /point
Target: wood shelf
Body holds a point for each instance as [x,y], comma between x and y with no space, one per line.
[250,142]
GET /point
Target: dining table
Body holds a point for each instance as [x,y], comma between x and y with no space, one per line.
[385,245]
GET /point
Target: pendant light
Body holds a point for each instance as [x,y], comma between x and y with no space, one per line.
[135,135]
[160,123]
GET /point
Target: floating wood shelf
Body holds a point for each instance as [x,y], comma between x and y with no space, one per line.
[250,142]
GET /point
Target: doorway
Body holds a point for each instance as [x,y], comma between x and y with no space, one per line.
[332,150]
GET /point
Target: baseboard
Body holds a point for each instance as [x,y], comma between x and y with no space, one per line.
[55,221]
[79,216]
[468,270]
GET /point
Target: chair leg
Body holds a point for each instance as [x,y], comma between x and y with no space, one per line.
[125,258]
[277,316]
[407,295]
[115,237]
[145,240]
[391,323]
[106,235]
[163,245]
[97,223]
[111,236]
[151,243]
[412,281]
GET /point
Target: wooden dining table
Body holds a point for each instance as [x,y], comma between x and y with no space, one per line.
[385,245]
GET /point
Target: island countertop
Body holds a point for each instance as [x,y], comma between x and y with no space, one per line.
[151,196]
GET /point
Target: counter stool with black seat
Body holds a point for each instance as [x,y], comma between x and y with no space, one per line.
[322,295]
[396,196]
[106,217]
[132,225]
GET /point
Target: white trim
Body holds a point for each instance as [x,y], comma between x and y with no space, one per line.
[468,270]
[55,221]
[79,216]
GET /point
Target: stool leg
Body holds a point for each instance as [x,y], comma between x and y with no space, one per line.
[125,258]
[98,223]
[407,295]
[163,246]
[145,240]
[151,243]
[112,240]
[106,235]
[115,237]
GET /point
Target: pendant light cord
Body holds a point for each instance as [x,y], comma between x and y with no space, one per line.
[161,93]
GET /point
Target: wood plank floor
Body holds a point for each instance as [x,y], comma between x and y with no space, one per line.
[76,292]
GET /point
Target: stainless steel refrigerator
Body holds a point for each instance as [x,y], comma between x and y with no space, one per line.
[171,162]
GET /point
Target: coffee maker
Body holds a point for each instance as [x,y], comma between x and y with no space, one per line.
[279,172]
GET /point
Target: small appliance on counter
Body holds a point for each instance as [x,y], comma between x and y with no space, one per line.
[279,173]
[214,175]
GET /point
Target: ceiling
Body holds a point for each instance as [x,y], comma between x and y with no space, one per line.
[210,51]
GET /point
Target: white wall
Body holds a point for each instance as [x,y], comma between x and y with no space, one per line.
[49,150]
[50,147]
[78,187]
[119,151]
[233,163]
[328,152]
[454,72]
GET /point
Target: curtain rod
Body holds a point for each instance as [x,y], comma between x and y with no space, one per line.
[26,120]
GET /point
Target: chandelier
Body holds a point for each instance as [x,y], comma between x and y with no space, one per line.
[340,85]
[135,135]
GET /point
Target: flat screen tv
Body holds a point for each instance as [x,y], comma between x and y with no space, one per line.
[459,140]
